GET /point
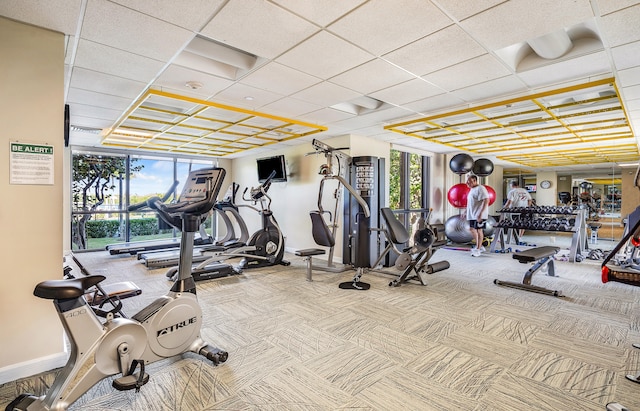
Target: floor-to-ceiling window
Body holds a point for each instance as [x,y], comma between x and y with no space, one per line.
[408,188]
[104,185]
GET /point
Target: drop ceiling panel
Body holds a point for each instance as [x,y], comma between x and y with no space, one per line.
[176,77]
[271,78]
[191,15]
[629,77]
[97,99]
[581,67]
[621,27]
[460,10]
[396,23]
[337,56]
[371,76]
[608,6]
[246,96]
[470,72]
[321,12]
[98,57]
[326,94]
[436,51]
[258,27]
[435,103]
[290,107]
[626,56]
[407,92]
[61,16]
[105,83]
[497,28]
[135,32]
[503,86]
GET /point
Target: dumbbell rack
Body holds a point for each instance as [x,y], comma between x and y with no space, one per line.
[506,229]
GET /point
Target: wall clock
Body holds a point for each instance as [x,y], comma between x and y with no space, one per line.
[545,184]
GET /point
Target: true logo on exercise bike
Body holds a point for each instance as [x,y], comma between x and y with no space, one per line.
[176,327]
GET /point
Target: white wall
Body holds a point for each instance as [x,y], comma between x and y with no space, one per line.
[31,216]
[548,196]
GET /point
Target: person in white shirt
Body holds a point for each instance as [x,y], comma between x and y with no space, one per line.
[477,212]
[518,197]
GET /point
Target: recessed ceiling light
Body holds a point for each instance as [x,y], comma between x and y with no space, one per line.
[249,98]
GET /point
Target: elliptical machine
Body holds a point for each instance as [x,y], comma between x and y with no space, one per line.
[167,327]
[265,247]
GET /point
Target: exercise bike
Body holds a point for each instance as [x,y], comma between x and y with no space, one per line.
[167,327]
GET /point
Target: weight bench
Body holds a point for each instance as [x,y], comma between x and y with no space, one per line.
[541,256]
[308,254]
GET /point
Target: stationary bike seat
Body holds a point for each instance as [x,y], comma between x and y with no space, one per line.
[63,289]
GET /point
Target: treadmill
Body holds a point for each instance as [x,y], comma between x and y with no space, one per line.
[134,247]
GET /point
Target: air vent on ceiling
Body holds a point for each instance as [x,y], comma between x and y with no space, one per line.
[89,130]
[212,57]
[361,105]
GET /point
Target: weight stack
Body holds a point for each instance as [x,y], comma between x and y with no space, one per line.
[360,247]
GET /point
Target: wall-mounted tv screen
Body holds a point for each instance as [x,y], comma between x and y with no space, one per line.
[267,165]
[531,188]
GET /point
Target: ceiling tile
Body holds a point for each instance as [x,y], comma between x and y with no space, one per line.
[434,104]
[626,56]
[412,90]
[105,83]
[324,55]
[515,21]
[581,67]
[59,15]
[371,76]
[631,93]
[236,95]
[280,79]
[491,89]
[98,57]
[258,27]
[289,107]
[91,98]
[442,49]
[476,70]
[191,15]
[321,12]
[460,10]
[176,77]
[629,77]
[621,27]
[326,116]
[380,26]
[100,113]
[326,94]
[608,6]
[134,32]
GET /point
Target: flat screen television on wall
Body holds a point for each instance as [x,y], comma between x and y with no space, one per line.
[269,164]
[531,188]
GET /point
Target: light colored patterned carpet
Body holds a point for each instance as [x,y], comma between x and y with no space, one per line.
[460,343]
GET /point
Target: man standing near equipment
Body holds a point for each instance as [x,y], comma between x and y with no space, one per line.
[477,212]
[518,197]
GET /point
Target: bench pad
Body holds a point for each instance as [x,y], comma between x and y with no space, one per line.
[535,254]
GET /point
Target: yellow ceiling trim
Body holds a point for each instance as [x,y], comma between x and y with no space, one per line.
[245,129]
[590,113]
